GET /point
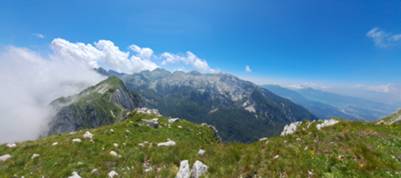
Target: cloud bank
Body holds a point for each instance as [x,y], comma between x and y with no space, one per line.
[29,83]
[30,80]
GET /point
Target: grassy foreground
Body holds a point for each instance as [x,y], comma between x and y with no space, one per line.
[347,149]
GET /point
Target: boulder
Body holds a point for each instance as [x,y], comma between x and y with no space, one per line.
[5,157]
[87,135]
[112,174]
[183,171]
[198,169]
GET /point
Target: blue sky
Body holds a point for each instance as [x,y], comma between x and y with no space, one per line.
[319,41]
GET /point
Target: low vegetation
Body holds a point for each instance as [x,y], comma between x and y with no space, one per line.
[346,149]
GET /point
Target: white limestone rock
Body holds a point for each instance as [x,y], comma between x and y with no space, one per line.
[114,154]
[326,123]
[76,140]
[290,128]
[168,143]
[74,175]
[201,152]
[11,145]
[198,169]
[112,174]
[183,171]
[5,157]
[35,155]
[87,135]
[172,120]
[263,139]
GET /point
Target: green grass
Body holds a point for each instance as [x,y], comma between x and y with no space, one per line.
[348,149]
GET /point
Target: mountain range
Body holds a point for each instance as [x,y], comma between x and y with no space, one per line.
[326,104]
[240,110]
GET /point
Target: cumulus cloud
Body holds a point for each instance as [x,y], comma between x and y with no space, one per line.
[106,54]
[248,68]
[30,82]
[188,61]
[384,39]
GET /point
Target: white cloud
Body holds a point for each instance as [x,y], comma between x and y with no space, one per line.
[188,61]
[383,39]
[39,35]
[106,55]
[29,83]
[248,68]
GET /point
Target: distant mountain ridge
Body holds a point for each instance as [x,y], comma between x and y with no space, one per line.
[240,110]
[104,103]
[325,104]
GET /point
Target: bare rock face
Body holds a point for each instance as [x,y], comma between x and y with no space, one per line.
[290,128]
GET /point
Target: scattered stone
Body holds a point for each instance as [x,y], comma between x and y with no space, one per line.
[76,140]
[94,171]
[276,157]
[172,120]
[201,152]
[147,167]
[290,128]
[180,127]
[11,145]
[166,144]
[151,122]
[112,174]
[87,135]
[5,157]
[326,123]
[263,139]
[310,173]
[183,171]
[54,143]
[112,130]
[114,154]
[35,155]
[144,110]
[198,169]
[72,133]
[115,145]
[74,175]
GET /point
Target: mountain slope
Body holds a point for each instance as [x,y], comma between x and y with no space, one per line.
[105,103]
[346,149]
[394,118]
[321,110]
[325,103]
[240,110]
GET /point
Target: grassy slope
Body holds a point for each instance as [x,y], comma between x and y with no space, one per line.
[391,119]
[348,149]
